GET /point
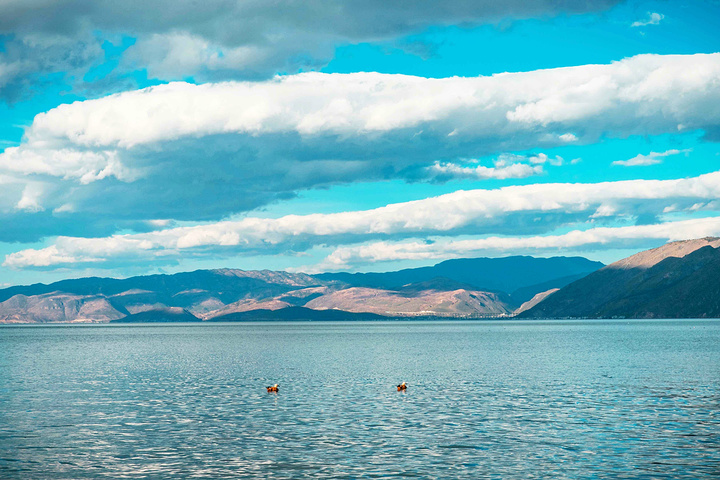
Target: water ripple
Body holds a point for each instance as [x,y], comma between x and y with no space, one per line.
[485,400]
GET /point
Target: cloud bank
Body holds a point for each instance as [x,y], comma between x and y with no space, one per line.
[517,210]
[127,159]
[665,92]
[634,237]
[225,39]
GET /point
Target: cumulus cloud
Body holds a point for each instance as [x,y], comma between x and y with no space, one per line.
[518,210]
[653,18]
[665,92]
[83,166]
[652,158]
[505,166]
[30,199]
[446,171]
[52,256]
[224,39]
[539,159]
[636,237]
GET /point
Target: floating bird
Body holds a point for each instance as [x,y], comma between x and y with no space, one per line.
[402,386]
[274,388]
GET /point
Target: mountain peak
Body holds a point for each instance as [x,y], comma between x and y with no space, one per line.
[652,257]
[677,280]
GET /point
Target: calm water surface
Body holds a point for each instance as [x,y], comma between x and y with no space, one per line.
[559,399]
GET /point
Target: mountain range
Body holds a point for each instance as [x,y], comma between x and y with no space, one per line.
[678,280]
[467,288]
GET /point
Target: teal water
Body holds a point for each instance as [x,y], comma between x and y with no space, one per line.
[556,399]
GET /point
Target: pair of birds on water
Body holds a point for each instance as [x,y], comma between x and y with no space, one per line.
[274,388]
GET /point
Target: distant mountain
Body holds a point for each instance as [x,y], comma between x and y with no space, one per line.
[58,307]
[104,299]
[465,288]
[435,297]
[296,313]
[677,280]
[507,274]
[161,315]
[297,297]
[187,287]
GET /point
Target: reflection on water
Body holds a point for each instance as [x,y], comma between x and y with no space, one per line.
[519,400]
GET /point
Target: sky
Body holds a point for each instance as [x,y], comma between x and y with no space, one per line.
[165,136]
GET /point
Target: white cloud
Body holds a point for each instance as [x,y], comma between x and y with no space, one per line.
[636,236]
[652,158]
[568,138]
[506,165]
[83,166]
[663,91]
[526,209]
[31,196]
[652,19]
[449,170]
[52,256]
[539,159]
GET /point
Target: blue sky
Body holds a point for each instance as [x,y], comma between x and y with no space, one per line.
[315,137]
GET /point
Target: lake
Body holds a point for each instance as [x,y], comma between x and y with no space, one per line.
[485,399]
